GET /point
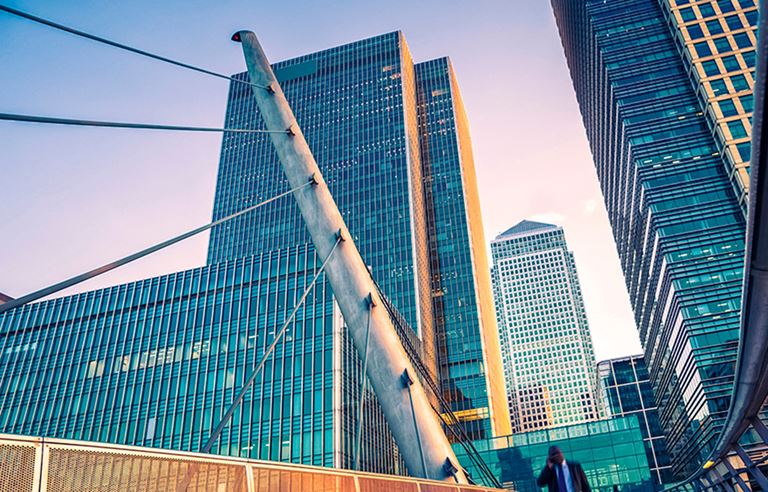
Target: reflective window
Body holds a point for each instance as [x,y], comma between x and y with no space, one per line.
[737,129]
[715,27]
[702,49]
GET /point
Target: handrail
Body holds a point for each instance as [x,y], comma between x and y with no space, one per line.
[43,463]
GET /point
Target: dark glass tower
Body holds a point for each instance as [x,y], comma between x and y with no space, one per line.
[392,141]
[356,105]
[678,226]
[469,355]
[627,391]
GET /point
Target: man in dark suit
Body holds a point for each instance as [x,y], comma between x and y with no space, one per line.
[562,476]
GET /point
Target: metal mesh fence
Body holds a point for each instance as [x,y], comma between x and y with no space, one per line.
[17,467]
[30,464]
[100,471]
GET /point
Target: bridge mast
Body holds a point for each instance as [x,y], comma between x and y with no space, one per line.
[414,424]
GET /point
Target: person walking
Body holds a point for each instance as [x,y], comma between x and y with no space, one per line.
[562,476]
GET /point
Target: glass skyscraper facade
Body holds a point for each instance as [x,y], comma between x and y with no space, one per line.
[356,105]
[392,141]
[549,361]
[626,388]
[610,451]
[669,188]
[469,354]
[717,41]
[156,362]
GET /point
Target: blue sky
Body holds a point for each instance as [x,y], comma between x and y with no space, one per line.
[74,198]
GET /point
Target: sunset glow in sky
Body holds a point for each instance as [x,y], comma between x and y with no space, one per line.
[74,198]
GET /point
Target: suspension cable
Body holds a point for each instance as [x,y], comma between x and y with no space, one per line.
[135,256]
[246,386]
[364,378]
[118,124]
[121,46]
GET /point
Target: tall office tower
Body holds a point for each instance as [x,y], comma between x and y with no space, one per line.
[549,362]
[469,354]
[678,226]
[627,390]
[392,142]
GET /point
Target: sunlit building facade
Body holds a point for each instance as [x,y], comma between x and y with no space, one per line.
[392,141]
[469,355]
[668,165]
[627,390]
[549,361]
[717,41]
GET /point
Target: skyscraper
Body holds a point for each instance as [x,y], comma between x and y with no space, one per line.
[717,42]
[156,362]
[627,390]
[549,362]
[469,355]
[392,141]
[651,99]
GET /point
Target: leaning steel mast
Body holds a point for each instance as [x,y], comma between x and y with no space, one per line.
[416,428]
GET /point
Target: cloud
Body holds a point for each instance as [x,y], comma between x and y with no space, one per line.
[590,206]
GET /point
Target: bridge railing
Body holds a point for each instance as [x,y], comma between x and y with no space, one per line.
[33,464]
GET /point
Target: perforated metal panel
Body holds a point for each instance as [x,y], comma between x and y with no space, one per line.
[32,464]
[429,487]
[370,484]
[17,467]
[288,481]
[94,471]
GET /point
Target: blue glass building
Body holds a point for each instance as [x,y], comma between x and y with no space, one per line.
[610,452]
[156,363]
[677,223]
[627,391]
[356,105]
[392,141]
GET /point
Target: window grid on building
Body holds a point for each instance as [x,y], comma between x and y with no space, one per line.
[547,346]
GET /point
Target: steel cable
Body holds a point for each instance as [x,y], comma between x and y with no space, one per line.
[121,46]
[135,256]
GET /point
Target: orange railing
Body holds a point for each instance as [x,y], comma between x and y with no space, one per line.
[33,464]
